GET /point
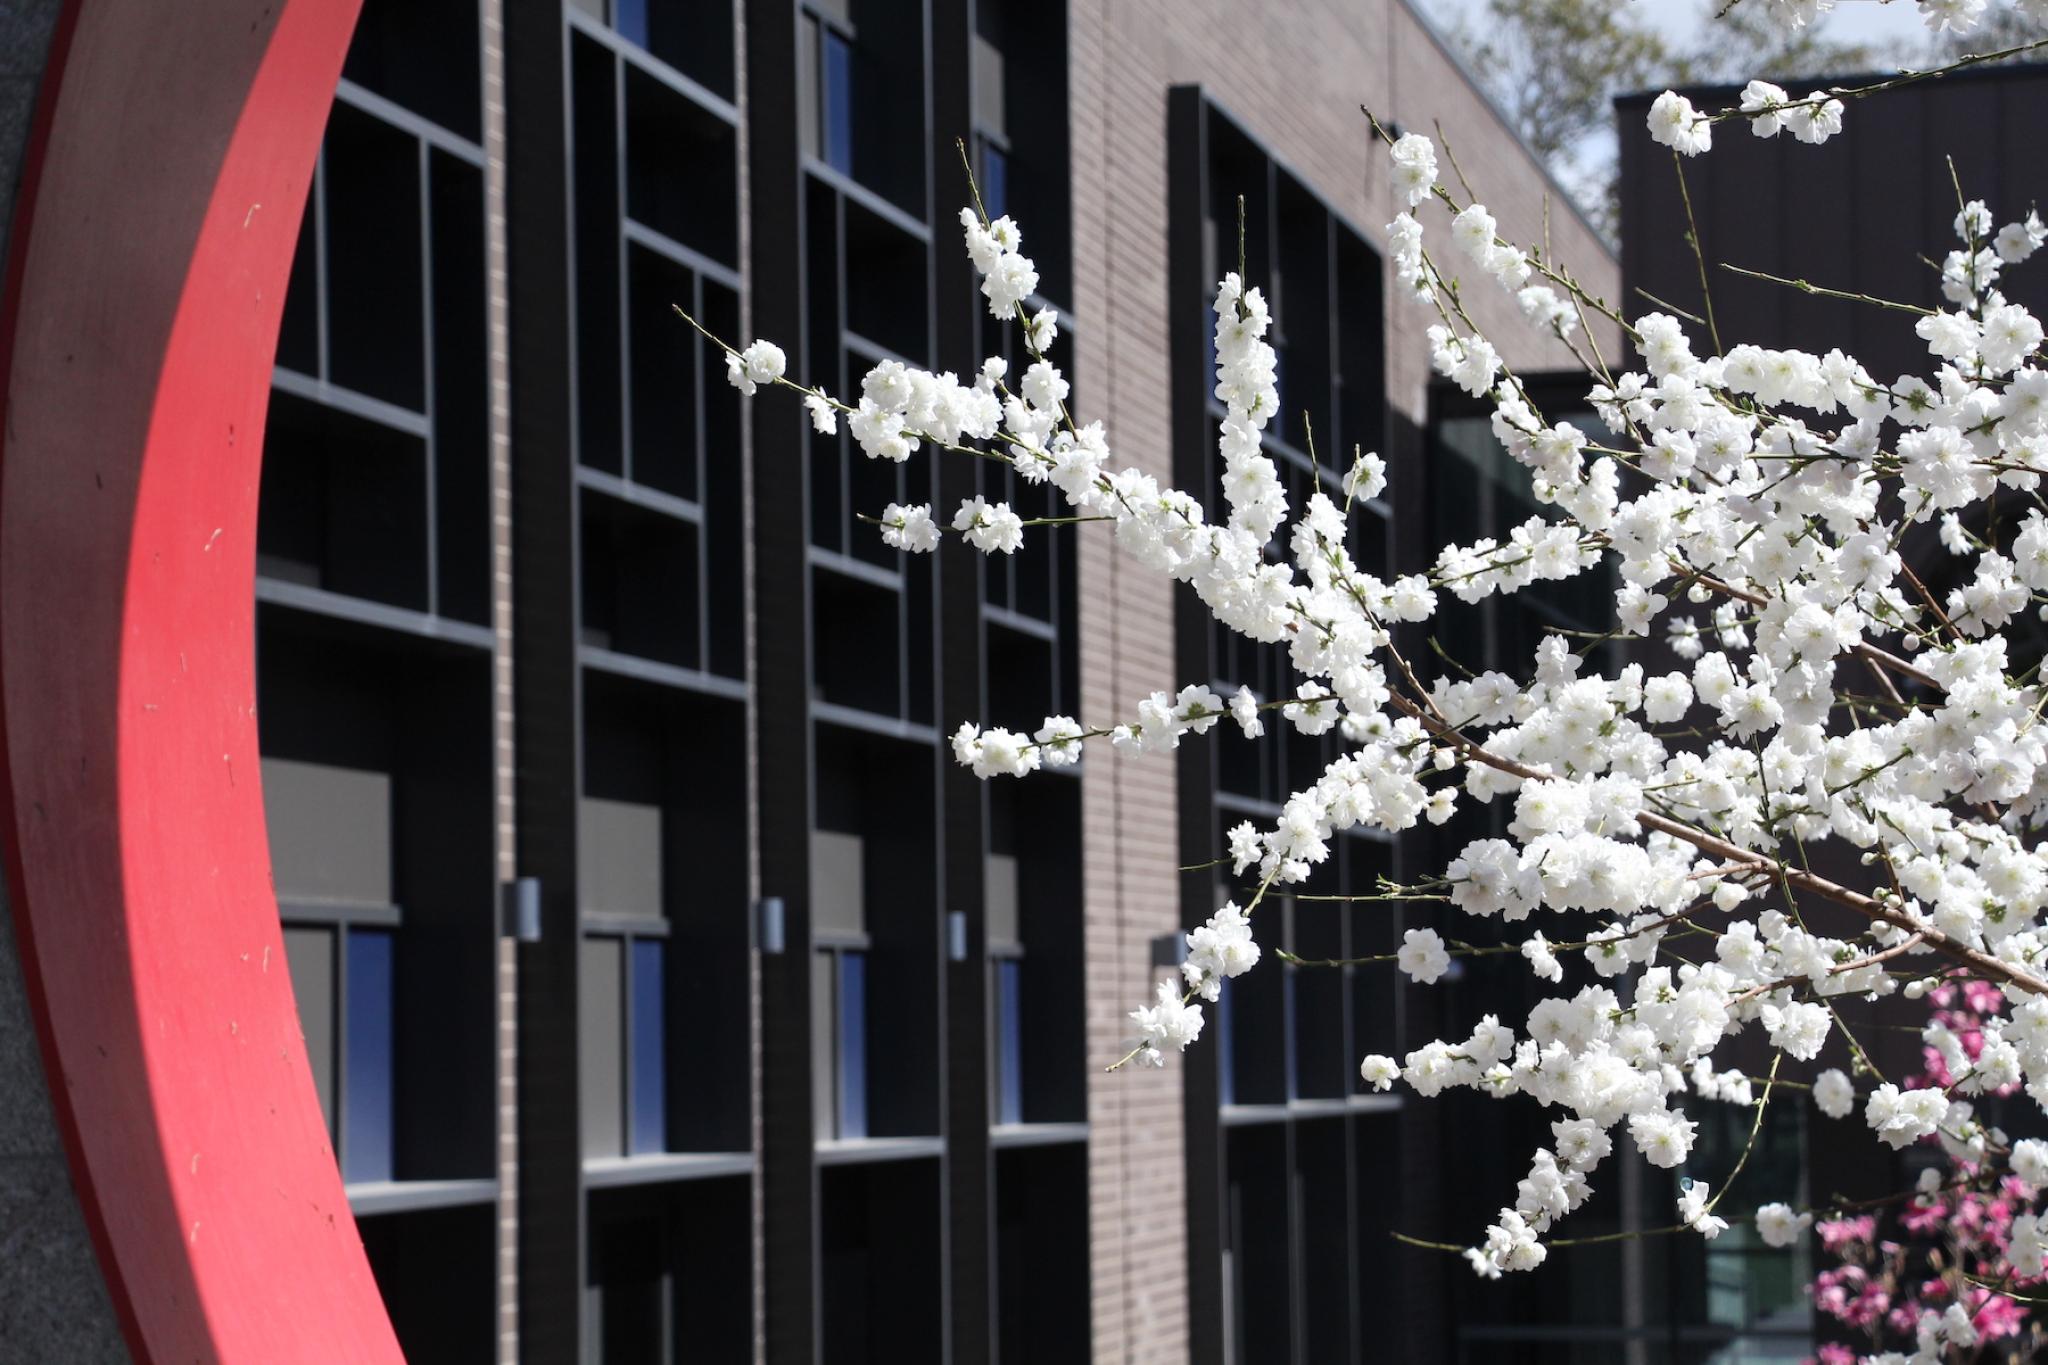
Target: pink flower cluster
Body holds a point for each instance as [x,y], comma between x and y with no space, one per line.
[1897,1265]
[1959,1007]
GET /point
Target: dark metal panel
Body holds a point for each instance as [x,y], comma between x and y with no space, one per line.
[782,670]
[969,1169]
[1854,214]
[1189,278]
[551,1224]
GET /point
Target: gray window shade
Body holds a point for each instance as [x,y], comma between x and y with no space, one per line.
[309,954]
[807,86]
[1001,892]
[330,831]
[618,857]
[824,1045]
[836,868]
[988,86]
[602,1051]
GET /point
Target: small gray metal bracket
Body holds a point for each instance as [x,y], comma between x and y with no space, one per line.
[770,924]
[521,908]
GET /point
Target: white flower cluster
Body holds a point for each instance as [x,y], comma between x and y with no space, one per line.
[1772,488]
[1676,124]
[1813,120]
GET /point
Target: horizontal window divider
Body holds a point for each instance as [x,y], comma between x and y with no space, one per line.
[874,352]
[640,495]
[361,611]
[840,940]
[1035,302]
[874,203]
[346,400]
[855,1151]
[1006,1135]
[1247,805]
[619,923]
[370,1197]
[846,566]
[689,258]
[1006,952]
[608,1172]
[355,914]
[873,723]
[1010,619]
[664,675]
[1246,1115]
[994,137]
[406,121]
[704,98]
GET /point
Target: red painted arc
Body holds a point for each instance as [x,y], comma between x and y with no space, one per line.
[148,262]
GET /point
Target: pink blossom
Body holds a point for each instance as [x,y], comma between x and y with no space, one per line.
[1838,1232]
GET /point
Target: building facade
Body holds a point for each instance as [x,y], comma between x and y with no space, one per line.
[668,991]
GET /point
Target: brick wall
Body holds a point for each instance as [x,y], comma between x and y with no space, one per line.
[1295,75]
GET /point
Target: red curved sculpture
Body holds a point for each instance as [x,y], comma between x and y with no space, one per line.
[174,149]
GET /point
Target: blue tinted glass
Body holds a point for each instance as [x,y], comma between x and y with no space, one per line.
[853,1045]
[649,1090]
[629,17]
[1009,1042]
[995,180]
[366,1084]
[835,103]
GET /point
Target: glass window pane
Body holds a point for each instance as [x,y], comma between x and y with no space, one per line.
[366,1088]
[1226,1060]
[1000,889]
[853,1045]
[618,860]
[995,181]
[988,88]
[601,1056]
[837,869]
[824,1046]
[330,831]
[629,17]
[649,1091]
[836,102]
[807,78]
[309,953]
[1009,1041]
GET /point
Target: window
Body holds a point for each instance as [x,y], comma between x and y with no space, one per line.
[839,985]
[330,836]
[1006,968]
[1278,1265]
[624,1002]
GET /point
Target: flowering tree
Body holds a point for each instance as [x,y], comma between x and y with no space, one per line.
[1834,712]
[1946,1247]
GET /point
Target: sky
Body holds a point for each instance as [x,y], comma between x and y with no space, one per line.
[1888,25]
[1873,21]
